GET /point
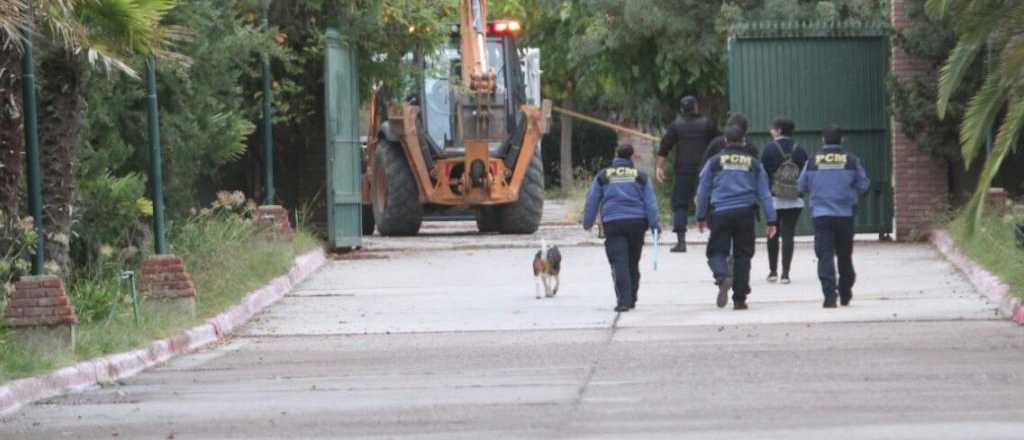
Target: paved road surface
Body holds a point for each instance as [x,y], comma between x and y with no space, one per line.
[443,339]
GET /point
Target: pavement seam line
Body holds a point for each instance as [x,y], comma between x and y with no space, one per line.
[578,400]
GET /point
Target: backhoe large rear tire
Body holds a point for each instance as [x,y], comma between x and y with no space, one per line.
[523,216]
[488,219]
[396,205]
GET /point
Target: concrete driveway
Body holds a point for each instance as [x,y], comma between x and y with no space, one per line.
[440,337]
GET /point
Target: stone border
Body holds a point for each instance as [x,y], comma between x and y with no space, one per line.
[985,282]
[87,374]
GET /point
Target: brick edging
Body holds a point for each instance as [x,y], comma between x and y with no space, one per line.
[985,282]
[87,374]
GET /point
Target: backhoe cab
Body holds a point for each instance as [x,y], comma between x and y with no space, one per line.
[468,136]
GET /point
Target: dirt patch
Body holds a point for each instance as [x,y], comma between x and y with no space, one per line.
[357,255]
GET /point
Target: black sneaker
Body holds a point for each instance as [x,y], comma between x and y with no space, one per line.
[723,292]
[773,277]
[844,300]
[680,247]
[785,279]
[830,303]
[621,308]
[739,305]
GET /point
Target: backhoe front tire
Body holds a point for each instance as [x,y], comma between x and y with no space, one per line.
[369,223]
[523,216]
[396,205]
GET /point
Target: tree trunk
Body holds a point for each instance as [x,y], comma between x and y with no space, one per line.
[62,103]
[565,160]
[12,135]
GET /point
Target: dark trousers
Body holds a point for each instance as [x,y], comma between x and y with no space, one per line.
[833,242]
[623,242]
[788,219]
[683,190]
[732,230]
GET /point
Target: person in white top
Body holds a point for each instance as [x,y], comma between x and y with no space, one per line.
[783,160]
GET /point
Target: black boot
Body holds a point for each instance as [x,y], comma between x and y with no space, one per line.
[680,242]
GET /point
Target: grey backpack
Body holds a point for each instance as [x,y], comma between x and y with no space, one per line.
[784,181]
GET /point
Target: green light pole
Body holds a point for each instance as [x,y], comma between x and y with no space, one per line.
[155,161]
[268,125]
[33,173]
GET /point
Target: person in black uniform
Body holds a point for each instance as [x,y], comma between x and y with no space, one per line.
[733,182]
[783,160]
[689,135]
[625,198]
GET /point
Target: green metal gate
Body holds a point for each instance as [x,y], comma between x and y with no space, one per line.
[344,151]
[820,76]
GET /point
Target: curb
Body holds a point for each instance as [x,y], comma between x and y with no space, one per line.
[87,374]
[985,282]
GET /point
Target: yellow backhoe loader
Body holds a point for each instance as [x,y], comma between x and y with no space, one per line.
[467,137]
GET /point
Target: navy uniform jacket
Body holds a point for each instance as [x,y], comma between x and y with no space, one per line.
[718,144]
[834,179]
[734,179]
[621,192]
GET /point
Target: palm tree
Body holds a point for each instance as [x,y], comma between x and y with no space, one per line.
[63,22]
[14,20]
[94,33]
[995,27]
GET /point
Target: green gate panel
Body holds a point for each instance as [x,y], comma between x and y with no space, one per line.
[344,150]
[819,81]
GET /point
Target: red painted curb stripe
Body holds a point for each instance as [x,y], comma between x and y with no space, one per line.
[985,282]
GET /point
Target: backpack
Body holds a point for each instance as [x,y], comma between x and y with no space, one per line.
[784,181]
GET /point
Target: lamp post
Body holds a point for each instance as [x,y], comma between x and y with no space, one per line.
[33,173]
[164,279]
[268,125]
[155,159]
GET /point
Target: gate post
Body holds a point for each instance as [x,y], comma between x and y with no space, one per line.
[920,186]
[344,149]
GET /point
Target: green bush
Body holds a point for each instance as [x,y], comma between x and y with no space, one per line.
[994,246]
[17,239]
[111,218]
[226,256]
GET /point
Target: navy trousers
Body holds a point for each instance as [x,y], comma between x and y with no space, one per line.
[833,244]
[732,231]
[623,243]
[683,190]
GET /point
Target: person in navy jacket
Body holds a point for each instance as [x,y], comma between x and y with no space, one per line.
[835,179]
[732,184]
[625,198]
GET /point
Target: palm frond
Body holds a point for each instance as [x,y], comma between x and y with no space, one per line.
[982,111]
[1006,140]
[954,70]
[129,26]
[117,29]
[1011,61]
[13,16]
[58,17]
[937,9]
